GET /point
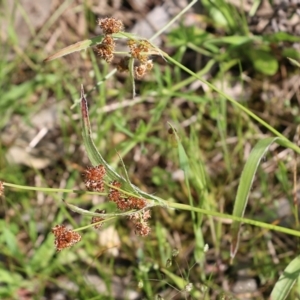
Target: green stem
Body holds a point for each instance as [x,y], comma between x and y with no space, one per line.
[51,190]
[172,21]
[234,218]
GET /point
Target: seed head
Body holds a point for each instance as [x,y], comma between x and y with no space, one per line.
[110,25]
[139,220]
[93,178]
[140,71]
[98,219]
[105,52]
[64,237]
[136,203]
[114,194]
[139,50]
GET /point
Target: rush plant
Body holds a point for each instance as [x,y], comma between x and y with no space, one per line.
[130,201]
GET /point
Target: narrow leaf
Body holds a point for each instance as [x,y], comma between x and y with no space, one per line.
[294,62]
[85,212]
[74,48]
[183,158]
[243,191]
[85,44]
[286,280]
[92,152]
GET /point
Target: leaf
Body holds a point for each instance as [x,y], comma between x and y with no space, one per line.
[264,62]
[244,188]
[86,44]
[281,37]
[294,62]
[74,48]
[94,156]
[183,158]
[286,281]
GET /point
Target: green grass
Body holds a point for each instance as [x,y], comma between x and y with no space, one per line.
[202,209]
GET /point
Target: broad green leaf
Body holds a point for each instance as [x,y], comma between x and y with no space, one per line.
[244,188]
[286,280]
[264,62]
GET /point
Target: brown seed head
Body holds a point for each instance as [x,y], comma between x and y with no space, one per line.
[64,237]
[110,25]
[105,52]
[139,220]
[93,178]
[114,194]
[108,40]
[142,228]
[137,203]
[140,71]
[139,50]
[98,219]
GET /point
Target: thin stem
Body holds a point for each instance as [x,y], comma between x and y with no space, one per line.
[234,218]
[51,190]
[159,32]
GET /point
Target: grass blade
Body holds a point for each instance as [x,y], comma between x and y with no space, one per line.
[243,192]
[286,280]
[75,47]
[94,156]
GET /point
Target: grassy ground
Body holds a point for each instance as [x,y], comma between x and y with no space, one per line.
[216,136]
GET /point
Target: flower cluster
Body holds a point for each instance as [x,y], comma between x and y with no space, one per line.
[110,25]
[107,47]
[93,178]
[97,221]
[64,237]
[1,188]
[122,201]
[138,49]
[140,222]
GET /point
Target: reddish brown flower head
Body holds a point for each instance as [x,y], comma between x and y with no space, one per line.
[110,25]
[137,203]
[64,237]
[139,220]
[139,50]
[93,178]
[108,40]
[140,71]
[98,219]
[105,52]
[1,188]
[124,202]
[114,194]
[142,228]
